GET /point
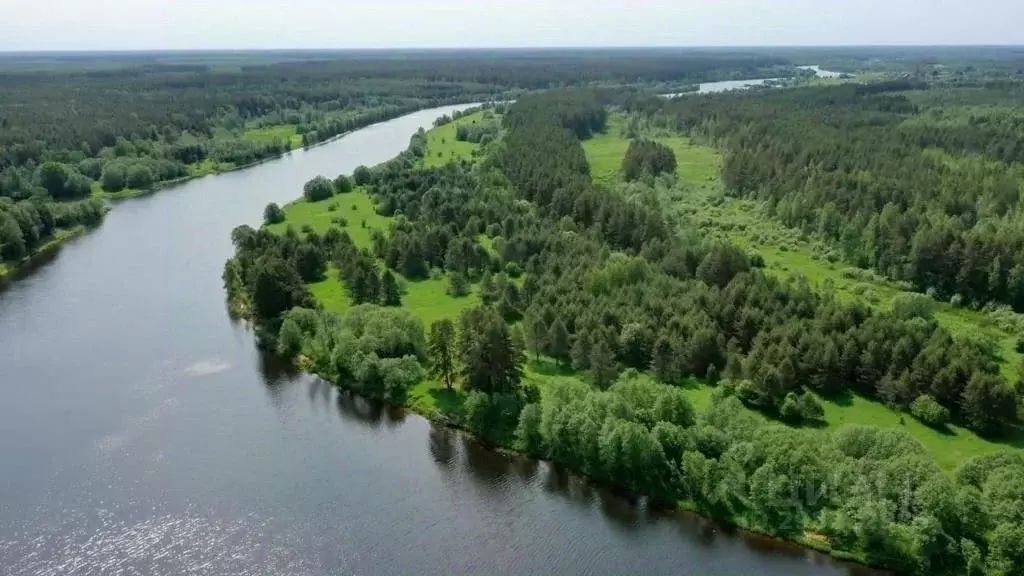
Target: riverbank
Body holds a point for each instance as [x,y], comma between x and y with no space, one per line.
[10,270]
[203,170]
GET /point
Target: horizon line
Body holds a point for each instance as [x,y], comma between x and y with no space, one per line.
[6,51]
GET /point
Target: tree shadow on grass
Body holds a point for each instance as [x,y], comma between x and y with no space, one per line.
[550,367]
[844,398]
[449,401]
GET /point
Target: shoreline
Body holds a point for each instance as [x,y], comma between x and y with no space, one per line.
[166,184]
[805,543]
[12,270]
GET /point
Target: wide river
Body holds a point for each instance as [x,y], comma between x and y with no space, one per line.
[141,432]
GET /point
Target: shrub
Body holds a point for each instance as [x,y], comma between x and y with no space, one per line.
[907,306]
[113,178]
[273,214]
[318,189]
[513,270]
[362,176]
[140,177]
[342,184]
[810,409]
[790,409]
[929,411]
[458,285]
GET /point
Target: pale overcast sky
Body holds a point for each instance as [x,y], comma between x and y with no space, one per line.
[198,24]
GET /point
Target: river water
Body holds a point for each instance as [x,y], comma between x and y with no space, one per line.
[141,432]
[728,85]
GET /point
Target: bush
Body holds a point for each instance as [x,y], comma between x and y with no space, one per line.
[273,214]
[342,184]
[318,189]
[513,270]
[908,306]
[929,411]
[458,285]
[810,409]
[362,176]
[113,178]
[140,177]
[790,409]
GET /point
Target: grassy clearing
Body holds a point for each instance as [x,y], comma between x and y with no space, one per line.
[442,147]
[285,132]
[355,209]
[427,299]
[697,165]
[697,202]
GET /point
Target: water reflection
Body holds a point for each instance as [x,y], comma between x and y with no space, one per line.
[441,442]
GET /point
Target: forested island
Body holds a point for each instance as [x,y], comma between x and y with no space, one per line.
[791,310]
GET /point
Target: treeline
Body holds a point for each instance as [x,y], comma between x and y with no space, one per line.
[914,185]
[26,225]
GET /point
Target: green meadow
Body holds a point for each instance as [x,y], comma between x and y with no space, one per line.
[442,147]
[286,132]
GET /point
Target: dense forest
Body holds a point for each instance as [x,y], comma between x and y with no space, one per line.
[73,126]
[603,284]
[920,185]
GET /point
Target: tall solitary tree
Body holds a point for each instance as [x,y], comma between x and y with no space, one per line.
[441,347]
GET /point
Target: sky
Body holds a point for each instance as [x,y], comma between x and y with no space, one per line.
[238,24]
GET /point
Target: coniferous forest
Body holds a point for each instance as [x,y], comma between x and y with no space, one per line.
[601,282]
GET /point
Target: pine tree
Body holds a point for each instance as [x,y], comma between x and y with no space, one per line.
[390,295]
[441,347]
[558,341]
[602,364]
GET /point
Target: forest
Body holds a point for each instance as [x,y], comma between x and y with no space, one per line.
[73,127]
[921,185]
[604,286]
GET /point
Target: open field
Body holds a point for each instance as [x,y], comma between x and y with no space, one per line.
[427,299]
[605,151]
[697,201]
[442,147]
[284,132]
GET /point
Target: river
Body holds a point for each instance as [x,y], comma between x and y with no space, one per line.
[728,85]
[141,432]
